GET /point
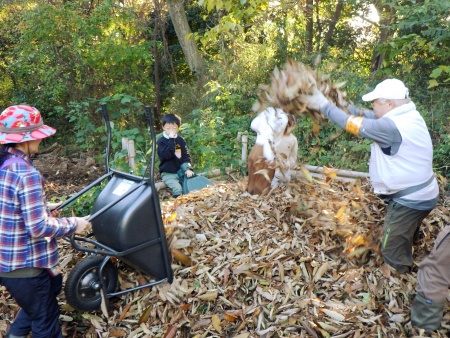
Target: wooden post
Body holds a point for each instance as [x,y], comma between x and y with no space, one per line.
[131,155]
[124,143]
[128,145]
[244,147]
[244,139]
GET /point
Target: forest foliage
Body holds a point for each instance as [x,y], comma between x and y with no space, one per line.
[68,57]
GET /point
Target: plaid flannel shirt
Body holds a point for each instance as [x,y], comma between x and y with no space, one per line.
[27,230]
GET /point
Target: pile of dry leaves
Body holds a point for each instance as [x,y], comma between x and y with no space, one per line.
[302,261]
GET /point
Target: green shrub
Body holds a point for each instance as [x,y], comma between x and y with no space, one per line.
[212,139]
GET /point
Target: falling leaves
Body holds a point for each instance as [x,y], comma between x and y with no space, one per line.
[289,85]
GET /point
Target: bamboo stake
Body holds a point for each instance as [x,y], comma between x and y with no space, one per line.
[339,172]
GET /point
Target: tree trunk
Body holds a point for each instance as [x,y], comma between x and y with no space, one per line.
[188,45]
[318,25]
[309,26]
[167,54]
[332,26]
[157,63]
[387,14]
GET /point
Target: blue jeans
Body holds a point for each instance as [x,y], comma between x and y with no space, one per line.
[39,311]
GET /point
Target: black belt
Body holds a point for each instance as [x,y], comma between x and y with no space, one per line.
[22,273]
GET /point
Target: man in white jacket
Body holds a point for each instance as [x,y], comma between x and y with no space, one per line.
[400,164]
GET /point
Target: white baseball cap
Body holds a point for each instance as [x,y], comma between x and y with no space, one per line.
[388,89]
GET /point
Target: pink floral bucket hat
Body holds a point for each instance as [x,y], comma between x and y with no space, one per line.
[22,123]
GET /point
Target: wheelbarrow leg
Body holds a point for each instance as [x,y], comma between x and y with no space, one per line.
[105,305]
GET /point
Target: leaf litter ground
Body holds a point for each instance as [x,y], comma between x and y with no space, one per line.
[302,261]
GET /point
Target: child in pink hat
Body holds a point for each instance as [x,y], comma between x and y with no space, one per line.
[28,248]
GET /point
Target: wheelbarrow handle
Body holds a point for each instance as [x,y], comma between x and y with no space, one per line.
[108,128]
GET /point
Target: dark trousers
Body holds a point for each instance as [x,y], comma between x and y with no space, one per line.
[39,311]
[401,226]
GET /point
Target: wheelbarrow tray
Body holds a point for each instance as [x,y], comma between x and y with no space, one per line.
[132,224]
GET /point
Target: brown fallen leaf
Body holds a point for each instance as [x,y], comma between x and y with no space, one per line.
[230,318]
[145,315]
[181,257]
[124,311]
[209,295]
[170,332]
[142,281]
[117,333]
[216,323]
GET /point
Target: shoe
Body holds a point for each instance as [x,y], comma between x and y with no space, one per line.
[425,313]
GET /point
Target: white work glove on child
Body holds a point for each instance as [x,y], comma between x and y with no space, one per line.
[316,100]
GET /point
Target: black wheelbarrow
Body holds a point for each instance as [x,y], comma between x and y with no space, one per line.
[126,224]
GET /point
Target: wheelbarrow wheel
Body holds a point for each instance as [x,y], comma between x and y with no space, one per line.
[82,287]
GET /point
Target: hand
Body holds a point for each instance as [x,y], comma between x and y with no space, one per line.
[172,134]
[189,173]
[52,207]
[316,100]
[82,224]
